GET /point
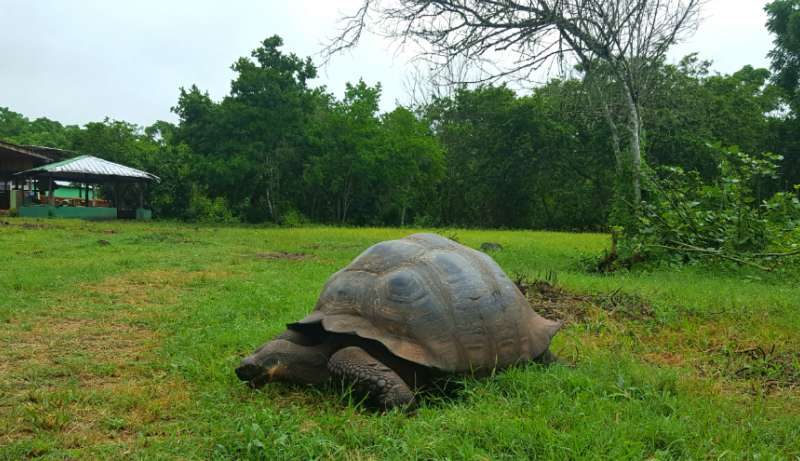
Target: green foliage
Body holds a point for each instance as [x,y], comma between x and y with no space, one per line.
[343,168]
[694,108]
[16,128]
[784,22]
[204,209]
[413,163]
[293,218]
[251,140]
[277,149]
[686,218]
[534,161]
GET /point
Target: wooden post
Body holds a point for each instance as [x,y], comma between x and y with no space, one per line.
[51,199]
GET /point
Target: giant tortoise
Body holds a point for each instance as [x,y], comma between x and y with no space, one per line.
[401,314]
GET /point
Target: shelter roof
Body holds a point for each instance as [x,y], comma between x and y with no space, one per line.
[88,169]
[53,152]
[23,151]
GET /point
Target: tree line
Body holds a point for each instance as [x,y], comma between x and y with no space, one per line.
[279,149]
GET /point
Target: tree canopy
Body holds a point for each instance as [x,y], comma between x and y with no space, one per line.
[279,149]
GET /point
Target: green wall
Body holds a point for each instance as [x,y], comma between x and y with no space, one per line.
[44,211]
[71,192]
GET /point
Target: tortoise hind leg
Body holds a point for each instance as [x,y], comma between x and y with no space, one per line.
[371,378]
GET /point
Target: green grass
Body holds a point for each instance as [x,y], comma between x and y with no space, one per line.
[126,348]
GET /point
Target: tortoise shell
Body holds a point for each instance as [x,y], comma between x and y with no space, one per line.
[433,302]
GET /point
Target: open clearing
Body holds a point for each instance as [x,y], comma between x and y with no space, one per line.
[119,339]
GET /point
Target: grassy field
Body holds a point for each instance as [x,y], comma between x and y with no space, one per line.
[119,339]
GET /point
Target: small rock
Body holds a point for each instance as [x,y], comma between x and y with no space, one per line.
[490,246]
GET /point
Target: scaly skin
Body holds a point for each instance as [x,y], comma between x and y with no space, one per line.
[372,378]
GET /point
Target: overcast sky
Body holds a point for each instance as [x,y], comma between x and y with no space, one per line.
[80,61]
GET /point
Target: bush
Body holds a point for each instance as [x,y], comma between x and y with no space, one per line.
[205,209]
[685,219]
[293,218]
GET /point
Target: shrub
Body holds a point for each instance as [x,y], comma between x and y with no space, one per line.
[205,209]
[684,219]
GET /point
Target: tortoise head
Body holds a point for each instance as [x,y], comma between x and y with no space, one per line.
[282,360]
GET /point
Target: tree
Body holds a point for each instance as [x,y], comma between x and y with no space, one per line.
[413,163]
[253,139]
[783,20]
[691,108]
[342,170]
[16,128]
[538,161]
[624,38]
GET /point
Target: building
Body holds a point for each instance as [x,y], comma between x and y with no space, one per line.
[79,187]
[13,159]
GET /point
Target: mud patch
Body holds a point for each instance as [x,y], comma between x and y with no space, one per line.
[282,255]
[556,303]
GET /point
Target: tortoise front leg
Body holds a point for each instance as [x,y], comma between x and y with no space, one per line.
[371,378]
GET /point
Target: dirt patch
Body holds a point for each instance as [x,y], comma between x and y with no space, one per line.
[714,350]
[31,226]
[739,358]
[665,358]
[162,237]
[86,374]
[766,368]
[146,288]
[556,303]
[282,255]
[332,246]
[84,380]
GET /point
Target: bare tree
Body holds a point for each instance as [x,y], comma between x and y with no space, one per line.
[425,83]
[621,39]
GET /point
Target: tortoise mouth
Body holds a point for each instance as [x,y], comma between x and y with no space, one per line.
[257,376]
[248,370]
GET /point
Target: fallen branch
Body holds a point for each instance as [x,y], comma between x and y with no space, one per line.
[711,252]
[778,255]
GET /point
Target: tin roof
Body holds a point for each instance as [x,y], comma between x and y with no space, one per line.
[87,167]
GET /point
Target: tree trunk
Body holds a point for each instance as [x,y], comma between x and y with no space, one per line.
[615,142]
[270,205]
[635,147]
[346,199]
